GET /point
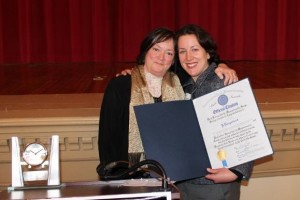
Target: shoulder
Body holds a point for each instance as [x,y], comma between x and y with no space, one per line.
[212,82]
[119,83]
[118,87]
[120,80]
[214,78]
[174,79]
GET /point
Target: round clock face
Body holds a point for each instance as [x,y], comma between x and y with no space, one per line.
[35,154]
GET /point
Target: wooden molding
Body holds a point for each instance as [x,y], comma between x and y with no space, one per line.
[75,118]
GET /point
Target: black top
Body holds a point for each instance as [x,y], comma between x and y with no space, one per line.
[114,121]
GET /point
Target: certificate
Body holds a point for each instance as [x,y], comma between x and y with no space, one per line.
[232,130]
[232,126]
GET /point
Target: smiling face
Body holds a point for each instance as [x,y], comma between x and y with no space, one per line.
[159,58]
[193,57]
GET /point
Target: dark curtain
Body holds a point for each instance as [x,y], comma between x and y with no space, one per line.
[34,31]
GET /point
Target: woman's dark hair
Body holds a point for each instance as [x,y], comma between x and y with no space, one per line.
[204,39]
[155,36]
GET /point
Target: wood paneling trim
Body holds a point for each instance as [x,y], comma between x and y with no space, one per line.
[76,122]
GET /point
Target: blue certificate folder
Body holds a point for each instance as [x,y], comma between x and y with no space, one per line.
[171,135]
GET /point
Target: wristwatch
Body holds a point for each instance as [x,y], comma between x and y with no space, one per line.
[35,154]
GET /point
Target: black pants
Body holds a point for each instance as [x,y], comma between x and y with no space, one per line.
[226,191]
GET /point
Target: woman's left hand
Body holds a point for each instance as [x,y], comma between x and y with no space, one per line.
[221,175]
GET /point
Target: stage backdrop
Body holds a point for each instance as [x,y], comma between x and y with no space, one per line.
[111,30]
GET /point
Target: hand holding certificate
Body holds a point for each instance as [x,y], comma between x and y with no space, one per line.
[232,129]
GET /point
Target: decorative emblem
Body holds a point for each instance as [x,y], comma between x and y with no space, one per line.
[223,99]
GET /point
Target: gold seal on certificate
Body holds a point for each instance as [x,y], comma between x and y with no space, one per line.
[222,157]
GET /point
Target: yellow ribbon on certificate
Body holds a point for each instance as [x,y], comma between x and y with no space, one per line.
[221,154]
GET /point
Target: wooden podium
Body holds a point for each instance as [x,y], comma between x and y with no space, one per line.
[95,190]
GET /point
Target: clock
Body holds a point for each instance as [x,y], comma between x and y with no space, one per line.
[35,164]
[35,154]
